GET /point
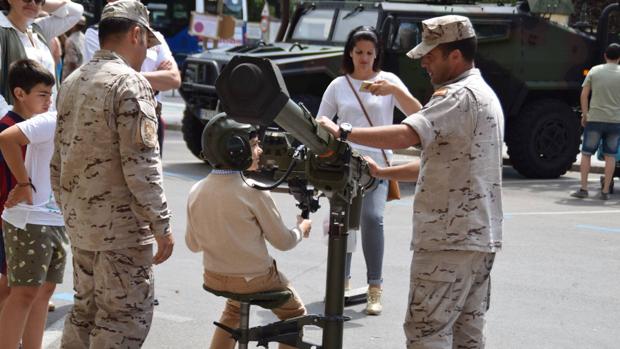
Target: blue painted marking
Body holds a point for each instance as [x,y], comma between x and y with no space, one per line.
[597,228]
[63,296]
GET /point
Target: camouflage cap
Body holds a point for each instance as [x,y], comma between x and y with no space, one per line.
[132,10]
[440,30]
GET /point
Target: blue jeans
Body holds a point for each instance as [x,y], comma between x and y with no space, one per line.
[595,131]
[371,221]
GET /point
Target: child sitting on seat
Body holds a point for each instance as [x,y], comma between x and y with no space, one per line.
[230,222]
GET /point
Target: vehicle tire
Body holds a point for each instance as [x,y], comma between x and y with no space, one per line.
[192,128]
[543,141]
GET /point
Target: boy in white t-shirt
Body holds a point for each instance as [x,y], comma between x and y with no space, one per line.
[34,233]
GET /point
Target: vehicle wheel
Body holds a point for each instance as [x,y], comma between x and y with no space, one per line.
[192,128]
[543,141]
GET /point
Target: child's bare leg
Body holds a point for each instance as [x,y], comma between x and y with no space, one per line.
[14,315]
[4,289]
[35,325]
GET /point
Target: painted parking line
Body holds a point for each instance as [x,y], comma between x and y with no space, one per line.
[560,213]
[171,317]
[64,296]
[183,176]
[598,228]
[53,333]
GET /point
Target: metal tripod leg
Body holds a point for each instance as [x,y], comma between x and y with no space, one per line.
[244,324]
[334,290]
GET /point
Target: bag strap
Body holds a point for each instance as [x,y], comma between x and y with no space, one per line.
[365,113]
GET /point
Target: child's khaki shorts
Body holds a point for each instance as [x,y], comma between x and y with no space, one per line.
[35,255]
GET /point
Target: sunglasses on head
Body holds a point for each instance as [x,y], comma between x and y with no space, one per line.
[38,2]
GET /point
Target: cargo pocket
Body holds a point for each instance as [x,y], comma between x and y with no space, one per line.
[432,300]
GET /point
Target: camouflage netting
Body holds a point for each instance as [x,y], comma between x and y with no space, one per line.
[589,10]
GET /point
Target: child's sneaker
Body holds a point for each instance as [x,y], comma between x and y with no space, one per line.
[373,301]
[581,193]
[603,196]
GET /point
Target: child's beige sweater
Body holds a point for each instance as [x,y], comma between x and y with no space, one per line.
[229,222]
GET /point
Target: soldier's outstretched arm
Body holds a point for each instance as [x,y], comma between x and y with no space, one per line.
[407,172]
[136,124]
[383,137]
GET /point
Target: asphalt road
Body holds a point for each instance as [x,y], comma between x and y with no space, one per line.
[556,284]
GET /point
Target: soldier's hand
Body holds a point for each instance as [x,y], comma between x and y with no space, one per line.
[17,195]
[373,168]
[381,88]
[329,125]
[305,225]
[165,244]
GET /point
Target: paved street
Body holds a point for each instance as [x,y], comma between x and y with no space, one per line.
[556,284]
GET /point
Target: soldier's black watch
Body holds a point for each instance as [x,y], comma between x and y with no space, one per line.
[345,129]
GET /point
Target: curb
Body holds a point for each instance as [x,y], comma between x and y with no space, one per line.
[416,152]
[412,151]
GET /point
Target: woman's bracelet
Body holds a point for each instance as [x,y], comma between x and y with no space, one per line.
[27,184]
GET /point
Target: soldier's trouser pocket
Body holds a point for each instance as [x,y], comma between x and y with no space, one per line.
[113,305]
[124,279]
[446,288]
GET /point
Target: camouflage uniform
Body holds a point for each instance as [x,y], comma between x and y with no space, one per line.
[457,209]
[107,178]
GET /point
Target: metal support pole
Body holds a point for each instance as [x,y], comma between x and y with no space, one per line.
[244,324]
[334,290]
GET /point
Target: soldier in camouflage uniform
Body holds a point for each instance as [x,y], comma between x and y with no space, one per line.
[457,214]
[107,178]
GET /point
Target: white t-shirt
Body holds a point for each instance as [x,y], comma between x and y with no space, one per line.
[154,55]
[51,26]
[44,211]
[338,99]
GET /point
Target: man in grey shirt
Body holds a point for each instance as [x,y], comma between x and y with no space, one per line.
[601,118]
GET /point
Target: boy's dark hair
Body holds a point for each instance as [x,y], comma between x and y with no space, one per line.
[612,52]
[111,28]
[361,33]
[467,47]
[26,74]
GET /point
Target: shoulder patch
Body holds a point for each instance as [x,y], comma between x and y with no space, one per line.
[441,92]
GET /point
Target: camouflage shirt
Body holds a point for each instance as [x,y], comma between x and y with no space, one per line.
[458,199]
[106,171]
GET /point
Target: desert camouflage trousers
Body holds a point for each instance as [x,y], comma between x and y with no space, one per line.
[448,296]
[113,302]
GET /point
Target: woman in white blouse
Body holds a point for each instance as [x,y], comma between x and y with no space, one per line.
[382,91]
[21,24]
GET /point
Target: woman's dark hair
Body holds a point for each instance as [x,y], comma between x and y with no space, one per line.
[361,33]
[26,74]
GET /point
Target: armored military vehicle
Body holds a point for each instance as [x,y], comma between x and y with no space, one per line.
[534,64]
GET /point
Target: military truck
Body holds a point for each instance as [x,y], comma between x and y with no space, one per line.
[535,65]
